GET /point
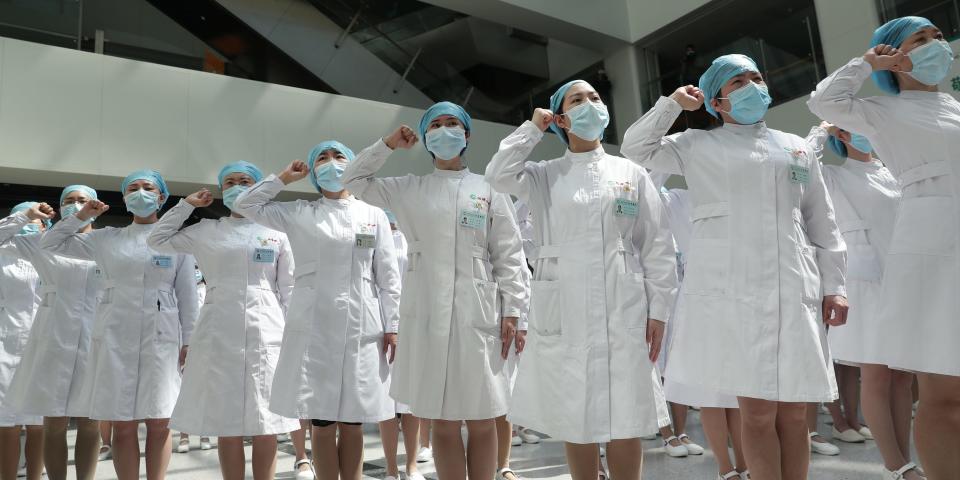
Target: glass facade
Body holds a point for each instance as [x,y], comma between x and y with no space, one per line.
[945,14]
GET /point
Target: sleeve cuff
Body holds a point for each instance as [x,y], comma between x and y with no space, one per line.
[531,130]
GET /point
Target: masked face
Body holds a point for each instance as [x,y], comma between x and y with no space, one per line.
[231,194]
[328,175]
[446,143]
[142,203]
[72,209]
[860,143]
[931,62]
[749,103]
[588,120]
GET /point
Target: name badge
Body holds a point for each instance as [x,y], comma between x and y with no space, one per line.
[799,174]
[264,255]
[365,240]
[472,219]
[625,208]
[162,261]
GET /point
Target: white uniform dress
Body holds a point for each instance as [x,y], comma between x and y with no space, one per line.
[234,350]
[345,297]
[19,287]
[917,134]
[50,375]
[465,273]
[400,242]
[765,250]
[146,313]
[866,197]
[605,265]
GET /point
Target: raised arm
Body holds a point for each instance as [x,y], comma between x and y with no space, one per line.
[257,203]
[645,143]
[12,245]
[167,236]
[63,238]
[359,177]
[506,172]
[185,287]
[817,138]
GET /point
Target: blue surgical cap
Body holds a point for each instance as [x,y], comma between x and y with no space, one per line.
[440,109]
[893,33]
[837,146]
[556,103]
[246,168]
[24,206]
[323,147]
[720,72]
[151,176]
[89,192]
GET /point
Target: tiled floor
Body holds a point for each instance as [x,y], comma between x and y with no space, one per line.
[545,461]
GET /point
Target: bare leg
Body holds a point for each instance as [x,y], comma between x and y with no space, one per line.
[106,435]
[504,436]
[736,438]
[810,414]
[411,439]
[762,448]
[351,451]
[299,440]
[55,446]
[158,448]
[715,428]
[264,457]
[87,448]
[902,408]
[326,457]
[679,413]
[232,459]
[794,441]
[482,448]
[449,454]
[583,459]
[938,425]
[389,433]
[33,450]
[126,449]
[878,408]
[625,458]
[425,425]
[9,452]
[850,395]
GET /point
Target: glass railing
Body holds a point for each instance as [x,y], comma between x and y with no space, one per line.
[945,14]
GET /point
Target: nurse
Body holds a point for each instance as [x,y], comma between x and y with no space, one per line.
[50,375]
[19,300]
[342,321]
[765,267]
[464,289]
[249,277]
[604,283]
[143,323]
[915,129]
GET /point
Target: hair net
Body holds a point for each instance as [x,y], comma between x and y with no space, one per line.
[323,147]
[239,167]
[151,176]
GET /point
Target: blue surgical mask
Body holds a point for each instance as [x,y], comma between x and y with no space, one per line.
[931,62]
[446,143]
[860,143]
[230,195]
[329,174]
[72,209]
[142,203]
[588,120]
[30,229]
[749,103]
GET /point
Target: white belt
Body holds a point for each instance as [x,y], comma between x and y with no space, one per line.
[923,172]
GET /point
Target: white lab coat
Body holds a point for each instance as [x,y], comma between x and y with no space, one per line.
[19,284]
[459,283]
[764,252]
[866,197]
[400,243]
[233,353]
[917,134]
[147,311]
[54,362]
[605,265]
[345,298]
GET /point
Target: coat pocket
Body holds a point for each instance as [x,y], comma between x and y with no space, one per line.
[809,273]
[488,313]
[632,299]
[546,308]
[168,317]
[708,268]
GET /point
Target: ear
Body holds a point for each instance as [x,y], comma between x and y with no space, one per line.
[161,198]
[467,135]
[715,104]
[562,121]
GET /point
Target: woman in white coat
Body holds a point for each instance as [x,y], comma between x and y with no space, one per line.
[143,323]
[464,289]
[604,283]
[19,299]
[341,326]
[50,375]
[916,131]
[229,373]
[765,266]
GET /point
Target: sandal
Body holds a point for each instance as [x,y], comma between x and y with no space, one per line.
[729,475]
[502,474]
[898,473]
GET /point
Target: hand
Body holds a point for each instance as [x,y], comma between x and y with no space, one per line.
[655,329]
[885,57]
[200,198]
[542,118]
[297,170]
[689,97]
[521,340]
[508,330]
[41,211]
[835,310]
[390,346]
[831,129]
[93,208]
[183,357]
[402,137]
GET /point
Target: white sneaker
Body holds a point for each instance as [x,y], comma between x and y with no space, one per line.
[303,474]
[849,435]
[183,446]
[692,448]
[205,443]
[823,448]
[106,453]
[515,440]
[528,436]
[678,451]
[424,455]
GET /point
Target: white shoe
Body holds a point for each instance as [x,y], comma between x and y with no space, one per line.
[528,436]
[306,474]
[692,448]
[515,440]
[424,455]
[866,433]
[205,443]
[502,474]
[283,438]
[898,473]
[730,475]
[823,448]
[849,435]
[183,446]
[678,451]
[415,476]
[106,453]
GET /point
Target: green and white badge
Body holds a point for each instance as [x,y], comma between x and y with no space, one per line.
[472,219]
[264,255]
[625,208]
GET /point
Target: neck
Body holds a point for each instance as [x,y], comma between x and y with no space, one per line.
[579,145]
[452,164]
[908,83]
[86,228]
[146,220]
[342,194]
[859,156]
